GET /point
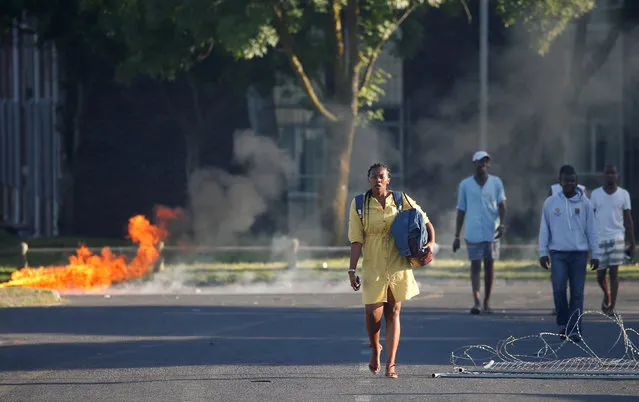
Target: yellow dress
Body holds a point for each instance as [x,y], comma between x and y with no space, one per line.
[382,266]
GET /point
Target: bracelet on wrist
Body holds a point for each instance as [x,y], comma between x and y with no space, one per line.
[351,270]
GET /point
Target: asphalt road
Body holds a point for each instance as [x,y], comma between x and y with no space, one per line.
[220,345]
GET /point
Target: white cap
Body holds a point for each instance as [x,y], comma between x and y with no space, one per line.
[479,155]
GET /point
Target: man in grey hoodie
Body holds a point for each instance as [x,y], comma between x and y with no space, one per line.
[566,233]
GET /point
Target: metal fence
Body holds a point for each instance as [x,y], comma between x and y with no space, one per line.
[292,253]
[30,145]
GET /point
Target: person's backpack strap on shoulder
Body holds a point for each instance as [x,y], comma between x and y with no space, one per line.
[359,206]
[398,197]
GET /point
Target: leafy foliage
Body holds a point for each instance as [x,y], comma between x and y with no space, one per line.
[68,24]
[166,37]
[158,43]
[546,19]
[332,46]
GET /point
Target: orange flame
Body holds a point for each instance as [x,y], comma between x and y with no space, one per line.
[88,271]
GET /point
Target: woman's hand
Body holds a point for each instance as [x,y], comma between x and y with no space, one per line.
[355,281]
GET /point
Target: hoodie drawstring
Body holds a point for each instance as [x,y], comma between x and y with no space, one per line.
[569,214]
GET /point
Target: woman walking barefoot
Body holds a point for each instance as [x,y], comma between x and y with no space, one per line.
[387,278]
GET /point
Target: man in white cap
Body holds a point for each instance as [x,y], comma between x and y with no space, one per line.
[481,206]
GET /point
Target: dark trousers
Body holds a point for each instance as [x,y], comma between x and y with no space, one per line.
[568,268]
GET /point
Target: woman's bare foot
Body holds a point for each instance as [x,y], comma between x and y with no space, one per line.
[375,364]
[390,371]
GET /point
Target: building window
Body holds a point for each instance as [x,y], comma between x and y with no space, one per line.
[601,145]
[306,144]
[608,4]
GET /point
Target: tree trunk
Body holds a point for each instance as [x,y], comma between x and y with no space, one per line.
[333,195]
[193,131]
[192,151]
[190,127]
[75,102]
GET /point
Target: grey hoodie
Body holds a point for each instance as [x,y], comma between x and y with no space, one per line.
[568,224]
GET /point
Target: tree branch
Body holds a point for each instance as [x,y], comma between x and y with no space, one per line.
[599,56]
[352,17]
[296,64]
[206,53]
[578,55]
[469,15]
[373,56]
[195,97]
[597,59]
[339,66]
[187,130]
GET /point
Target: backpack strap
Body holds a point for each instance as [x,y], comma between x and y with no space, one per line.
[359,206]
[398,197]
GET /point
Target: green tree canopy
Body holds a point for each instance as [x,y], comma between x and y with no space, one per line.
[547,19]
[336,39]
